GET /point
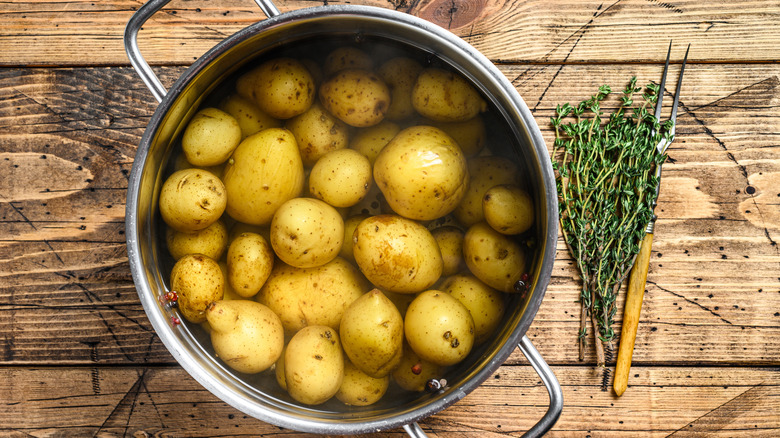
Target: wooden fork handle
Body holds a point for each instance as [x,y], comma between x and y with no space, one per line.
[636,293]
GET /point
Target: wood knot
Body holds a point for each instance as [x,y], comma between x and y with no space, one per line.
[452,14]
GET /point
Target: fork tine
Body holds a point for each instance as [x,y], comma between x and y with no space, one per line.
[677,91]
[659,103]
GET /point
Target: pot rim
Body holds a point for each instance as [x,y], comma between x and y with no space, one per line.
[195,366]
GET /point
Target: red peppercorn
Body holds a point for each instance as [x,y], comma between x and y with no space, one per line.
[175,320]
[417,368]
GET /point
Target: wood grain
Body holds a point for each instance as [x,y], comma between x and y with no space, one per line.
[165,401]
[81,33]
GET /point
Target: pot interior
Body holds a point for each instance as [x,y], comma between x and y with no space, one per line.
[312,33]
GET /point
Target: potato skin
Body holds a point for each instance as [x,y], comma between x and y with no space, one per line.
[400,74]
[312,296]
[508,209]
[210,137]
[250,260]
[370,141]
[415,381]
[282,87]
[251,119]
[264,172]
[486,172]
[344,58]
[210,241]
[372,333]
[192,199]
[357,97]
[246,335]
[450,241]
[439,328]
[198,280]
[306,232]
[349,230]
[470,135]
[317,132]
[314,365]
[360,389]
[397,254]
[422,173]
[493,257]
[485,304]
[342,178]
[445,96]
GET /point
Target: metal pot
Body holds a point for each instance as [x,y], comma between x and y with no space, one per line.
[254,395]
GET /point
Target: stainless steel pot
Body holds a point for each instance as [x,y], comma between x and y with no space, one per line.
[255,395]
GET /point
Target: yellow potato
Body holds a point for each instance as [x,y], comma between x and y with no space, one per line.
[192,199]
[249,261]
[342,178]
[317,132]
[210,137]
[346,58]
[450,241]
[307,232]
[370,141]
[486,172]
[282,87]
[239,228]
[312,296]
[397,254]
[439,328]
[413,372]
[279,371]
[210,241]
[485,304]
[446,96]
[493,257]
[360,389]
[198,281]
[246,335]
[230,293]
[349,230]
[469,135]
[422,173]
[400,74]
[508,209]
[357,97]
[251,119]
[314,365]
[264,172]
[372,333]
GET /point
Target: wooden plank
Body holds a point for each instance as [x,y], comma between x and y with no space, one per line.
[90,33]
[156,401]
[713,293]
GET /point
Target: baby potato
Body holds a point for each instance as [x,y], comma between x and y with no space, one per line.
[192,199]
[486,172]
[251,119]
[370,141]
[198,281]
[314,365]
[508,209]
[400,74]
[279,371]
[360,389]
[493,257]
[249,261]
[397,254]
[485,304]
[372,333]
[317,132]
[346,58]
[312,296]
[210,137]
[246,335]
[264,172]
[341,178]
[230,293]
[450,241]
[210,241]
[413,372]
[422,173]
[282,87]
[239,228]
[307,232]
[357,97]
[445,96]
[439,328]
[469,135]
[349,230]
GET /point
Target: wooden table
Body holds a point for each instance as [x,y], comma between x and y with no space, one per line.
[78,356]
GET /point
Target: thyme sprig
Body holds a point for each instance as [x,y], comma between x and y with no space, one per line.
[605,176]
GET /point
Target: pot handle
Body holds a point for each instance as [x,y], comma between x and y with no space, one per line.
[548,378]
[131,41]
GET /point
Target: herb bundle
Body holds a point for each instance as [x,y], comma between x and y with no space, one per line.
[607,187]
